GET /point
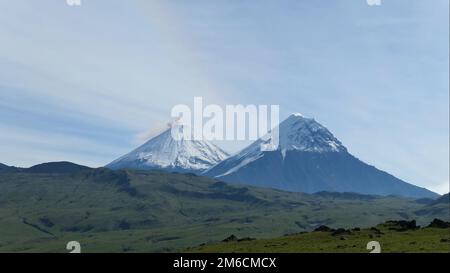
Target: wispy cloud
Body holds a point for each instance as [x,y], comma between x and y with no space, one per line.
[106,72]
[153,131]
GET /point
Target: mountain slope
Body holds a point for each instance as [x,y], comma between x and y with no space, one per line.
[56,167]
[309,159]
[142,211]
[165,153]
[6,168]
[437,207]
[444,199]
[391,236]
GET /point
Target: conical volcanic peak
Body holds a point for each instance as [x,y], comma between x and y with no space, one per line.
[309,159]
[296,133]
[165,152]
[305,134]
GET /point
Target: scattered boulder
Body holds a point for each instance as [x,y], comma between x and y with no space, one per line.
[341,231]
[324,229]
[232,238]
[295,233]
[437,223]
[402,225]
[246,239]
[376,231]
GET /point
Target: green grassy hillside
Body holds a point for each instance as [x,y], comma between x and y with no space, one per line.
[391,238]
[137,211]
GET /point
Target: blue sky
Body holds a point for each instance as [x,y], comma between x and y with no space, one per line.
[87,84]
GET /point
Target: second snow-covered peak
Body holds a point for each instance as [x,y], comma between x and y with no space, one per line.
[298,132]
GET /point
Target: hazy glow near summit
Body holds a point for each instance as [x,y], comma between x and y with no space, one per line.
[89,83]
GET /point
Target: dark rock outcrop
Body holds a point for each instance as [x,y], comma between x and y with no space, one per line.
[437,223]
[232,238]
[324,229]
[402,225]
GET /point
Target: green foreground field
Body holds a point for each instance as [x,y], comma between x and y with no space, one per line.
[424,240]
[140,211]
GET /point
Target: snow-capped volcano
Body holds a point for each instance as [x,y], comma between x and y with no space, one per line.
[296,133]
[165,152]
[305,134]
[309,159]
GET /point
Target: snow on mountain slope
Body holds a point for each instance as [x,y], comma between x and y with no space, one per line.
[296,133]
[309,159]
[305,134]
[164,152]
